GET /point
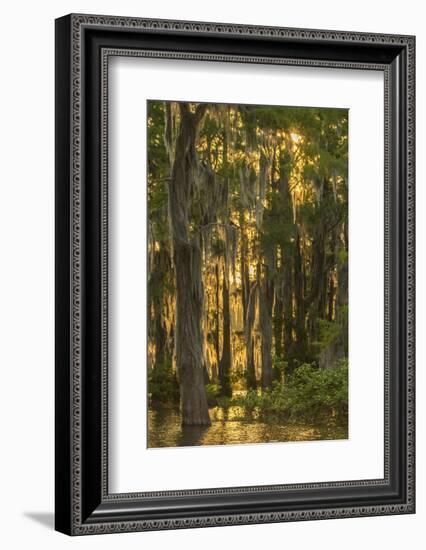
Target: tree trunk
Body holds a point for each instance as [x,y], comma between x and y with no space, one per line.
[287,255]
[161,265]
[251,314]
[217,317]
[278,323]
[245,280]
[342,293]
[189,341]
[331,286]
[225,361]
[187,260]
[316,300]
[265,320]
[160,335]
[299,325]
[288,302]
[338,348]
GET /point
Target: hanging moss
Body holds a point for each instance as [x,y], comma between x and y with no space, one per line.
[250,204]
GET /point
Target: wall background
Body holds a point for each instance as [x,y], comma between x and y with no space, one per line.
[27,280]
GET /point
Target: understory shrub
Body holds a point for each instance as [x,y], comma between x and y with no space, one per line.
[163,386]
[212,392]
[310,394]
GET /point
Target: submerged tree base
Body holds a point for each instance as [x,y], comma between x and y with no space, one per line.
[196,422]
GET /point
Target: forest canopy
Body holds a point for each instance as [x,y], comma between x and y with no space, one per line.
[247,260]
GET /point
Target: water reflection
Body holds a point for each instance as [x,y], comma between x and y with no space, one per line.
[165,430]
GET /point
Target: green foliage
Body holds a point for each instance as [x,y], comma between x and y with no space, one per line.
[213,393]
[224,402]
[315,393]
[311,395]
[218,246]
[278,226]
[158,198]
[237,378]
[279,367]
[329,331]
[342,256]
[158,171]
[248,402]
[163,387]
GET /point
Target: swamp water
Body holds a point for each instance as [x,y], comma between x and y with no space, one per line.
[228,427]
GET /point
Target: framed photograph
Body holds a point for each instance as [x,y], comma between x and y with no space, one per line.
[234,274]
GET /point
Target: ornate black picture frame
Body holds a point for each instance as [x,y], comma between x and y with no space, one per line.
[83,45]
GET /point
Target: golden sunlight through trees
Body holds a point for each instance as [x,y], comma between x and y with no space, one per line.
[248,273]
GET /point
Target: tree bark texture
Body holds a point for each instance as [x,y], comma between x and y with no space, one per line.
[226,359]
[187,260]
[266,298]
